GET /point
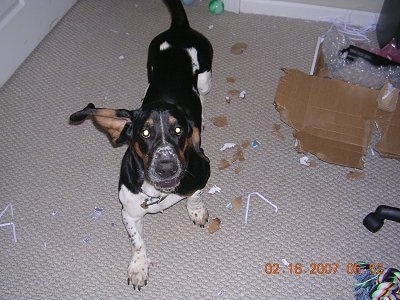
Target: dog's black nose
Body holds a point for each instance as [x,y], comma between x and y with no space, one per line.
[166,168]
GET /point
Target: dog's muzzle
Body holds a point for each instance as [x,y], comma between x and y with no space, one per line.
[166,169]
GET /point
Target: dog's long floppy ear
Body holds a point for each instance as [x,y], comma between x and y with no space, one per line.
[115,122]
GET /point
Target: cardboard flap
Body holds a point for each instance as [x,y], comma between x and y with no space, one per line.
[389,129]
[331,151]
[388,97]
[333,119]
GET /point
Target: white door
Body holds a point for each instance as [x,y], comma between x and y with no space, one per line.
[23,24]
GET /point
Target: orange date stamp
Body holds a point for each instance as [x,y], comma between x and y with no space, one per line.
[320,268]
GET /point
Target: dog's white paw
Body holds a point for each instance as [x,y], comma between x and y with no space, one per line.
[199,215]
[138,271]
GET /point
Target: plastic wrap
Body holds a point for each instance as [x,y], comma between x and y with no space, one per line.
[358,71]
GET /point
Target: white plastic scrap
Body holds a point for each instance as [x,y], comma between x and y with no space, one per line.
[9,206]
[371,150]
[305,161]
[227,146]
[285,262]
[242,94]
[121,57]
[221,293]
[390,90]
[248,204]
[97,213]
[214,190]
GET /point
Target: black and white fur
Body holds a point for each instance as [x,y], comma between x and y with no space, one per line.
[164,162]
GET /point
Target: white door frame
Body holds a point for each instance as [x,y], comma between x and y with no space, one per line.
[23,24]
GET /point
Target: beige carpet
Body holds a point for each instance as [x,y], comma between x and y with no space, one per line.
[55,174]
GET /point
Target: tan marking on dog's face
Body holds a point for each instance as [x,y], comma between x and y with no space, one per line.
[172,120]
[195,138]
[193,142]
[139,152]
[181,152]
[149,122]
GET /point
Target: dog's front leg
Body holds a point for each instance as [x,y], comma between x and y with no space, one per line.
[138,270]
[197,210]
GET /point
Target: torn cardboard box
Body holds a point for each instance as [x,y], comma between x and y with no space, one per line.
[334,120]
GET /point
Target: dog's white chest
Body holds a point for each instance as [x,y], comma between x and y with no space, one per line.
[149,201]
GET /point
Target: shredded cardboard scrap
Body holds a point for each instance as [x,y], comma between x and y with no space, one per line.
[238,170]
[238,155]
[245,144]
[223,164]
[233,92]
[237,203]
[237,93]
[354,175]
[238,48]
[220,121]
[276,131]
[215,225]
[230,79]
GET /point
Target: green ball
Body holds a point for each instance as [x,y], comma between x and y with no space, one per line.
[216,7]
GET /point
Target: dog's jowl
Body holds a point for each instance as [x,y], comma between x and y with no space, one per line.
[164,162]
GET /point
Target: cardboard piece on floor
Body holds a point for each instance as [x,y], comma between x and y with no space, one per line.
[332,119]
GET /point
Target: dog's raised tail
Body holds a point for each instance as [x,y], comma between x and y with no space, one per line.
[178,14]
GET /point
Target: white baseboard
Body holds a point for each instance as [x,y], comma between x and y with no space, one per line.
[302,11]
[232,5]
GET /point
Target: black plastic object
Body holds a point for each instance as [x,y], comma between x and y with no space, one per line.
[374,221]
[388,26]
[352,52]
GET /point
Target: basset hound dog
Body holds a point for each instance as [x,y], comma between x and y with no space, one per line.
[164,162]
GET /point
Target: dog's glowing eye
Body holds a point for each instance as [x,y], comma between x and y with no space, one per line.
[145,133]
[178,130]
